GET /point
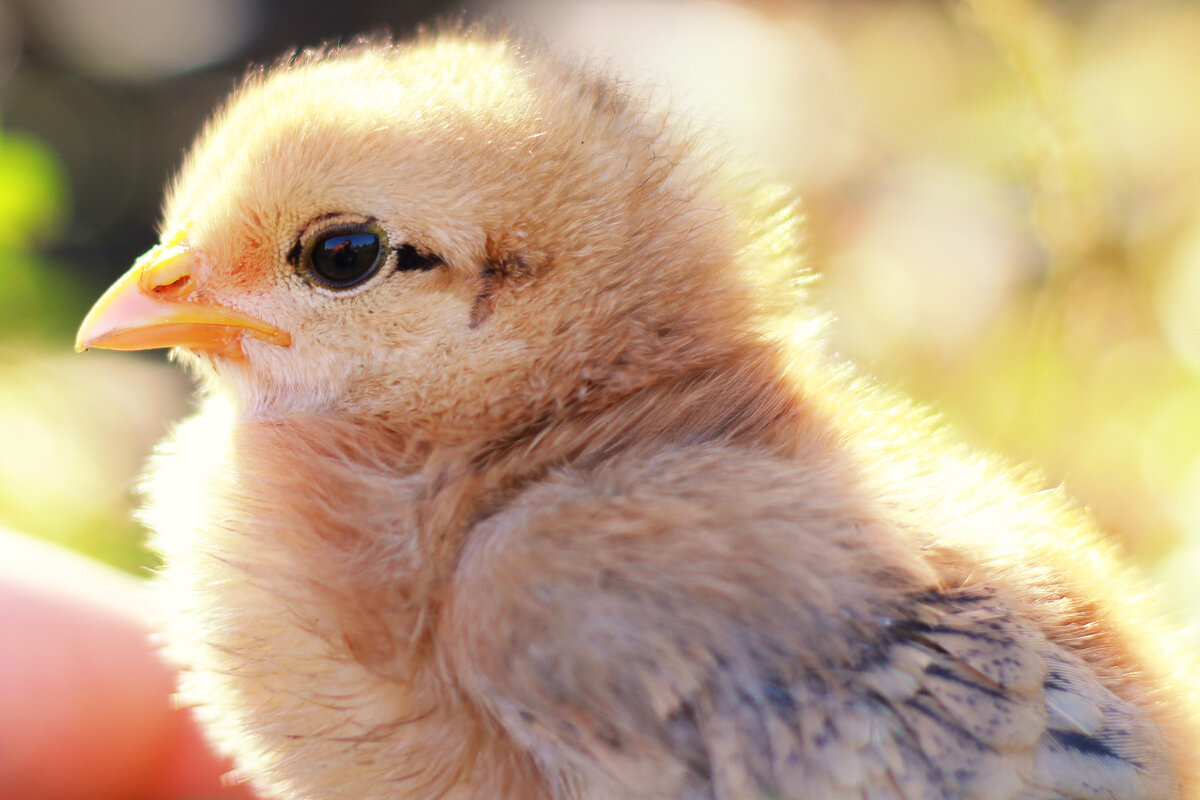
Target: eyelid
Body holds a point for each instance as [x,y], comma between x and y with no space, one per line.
[322,223]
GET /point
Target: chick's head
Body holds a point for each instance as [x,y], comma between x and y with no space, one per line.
[448,230]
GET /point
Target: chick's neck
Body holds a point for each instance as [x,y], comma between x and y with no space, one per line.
[427,493]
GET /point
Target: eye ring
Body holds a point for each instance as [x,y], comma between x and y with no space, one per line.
[342,256]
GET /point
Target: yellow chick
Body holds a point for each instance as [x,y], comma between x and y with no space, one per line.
[511,481]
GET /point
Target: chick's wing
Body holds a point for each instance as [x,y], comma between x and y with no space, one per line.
[638,649]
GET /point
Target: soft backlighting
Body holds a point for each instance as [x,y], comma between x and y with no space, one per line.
[144,39]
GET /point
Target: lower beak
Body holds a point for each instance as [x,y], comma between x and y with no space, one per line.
[152,305]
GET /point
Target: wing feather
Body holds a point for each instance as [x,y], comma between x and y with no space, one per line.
[960,698]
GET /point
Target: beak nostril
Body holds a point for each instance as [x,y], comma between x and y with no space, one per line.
[165,271]
[178,287]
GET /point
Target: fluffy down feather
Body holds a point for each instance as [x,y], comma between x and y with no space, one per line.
[564,500]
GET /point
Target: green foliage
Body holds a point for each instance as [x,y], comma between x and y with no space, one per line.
[35,299]
[31,192]
[66,463]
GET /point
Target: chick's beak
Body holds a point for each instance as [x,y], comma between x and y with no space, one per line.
[153,305]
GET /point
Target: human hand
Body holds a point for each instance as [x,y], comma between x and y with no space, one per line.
[85,699]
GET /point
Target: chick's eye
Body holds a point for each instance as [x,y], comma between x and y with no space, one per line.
[344,257]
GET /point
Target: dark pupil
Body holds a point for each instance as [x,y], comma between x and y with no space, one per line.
[345,257]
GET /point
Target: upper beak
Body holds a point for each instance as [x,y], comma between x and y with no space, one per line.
[152,306]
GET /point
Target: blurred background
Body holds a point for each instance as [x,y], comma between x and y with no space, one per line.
[1002,198]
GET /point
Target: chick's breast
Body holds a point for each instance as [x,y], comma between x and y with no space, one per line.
[508,485]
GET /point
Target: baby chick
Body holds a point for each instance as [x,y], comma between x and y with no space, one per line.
[519,477]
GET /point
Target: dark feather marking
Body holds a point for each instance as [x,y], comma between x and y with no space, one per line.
[609,737]
[1055,681]
[976,636]
[780,697]
[939,597]
[1087,745]
[482,308]
[908,742]
[948,724]
[940,671]
[410,259]
[910,628]
[683,728]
